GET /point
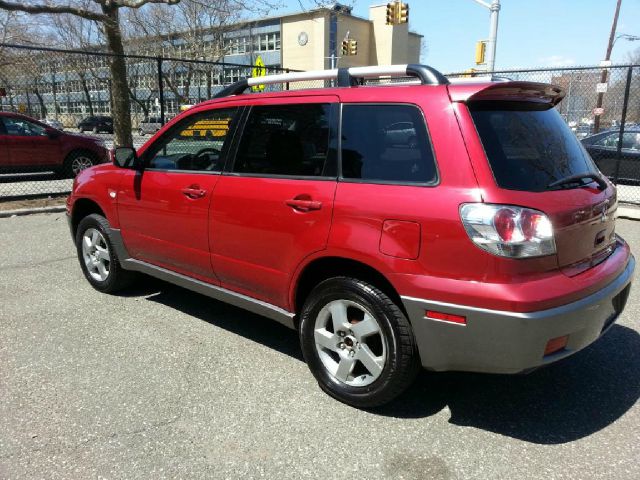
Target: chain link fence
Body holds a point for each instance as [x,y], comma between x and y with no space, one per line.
[71,90]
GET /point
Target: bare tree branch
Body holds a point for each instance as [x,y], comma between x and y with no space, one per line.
[138,3]
[44,8]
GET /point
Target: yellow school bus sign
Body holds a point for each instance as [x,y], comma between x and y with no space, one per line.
[258,70]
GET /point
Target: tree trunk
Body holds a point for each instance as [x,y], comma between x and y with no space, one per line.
[26,91]
[133,95]
[87,95]
[119,87]
[43,107]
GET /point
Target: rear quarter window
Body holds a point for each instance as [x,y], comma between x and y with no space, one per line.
[386,144]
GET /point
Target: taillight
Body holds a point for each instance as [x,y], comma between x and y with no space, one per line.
[508,231]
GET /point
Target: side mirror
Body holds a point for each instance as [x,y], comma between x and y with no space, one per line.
[52,133]
[126,157]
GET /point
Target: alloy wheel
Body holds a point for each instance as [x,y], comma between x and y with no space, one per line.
[95,253]
[80,163]
[350,343]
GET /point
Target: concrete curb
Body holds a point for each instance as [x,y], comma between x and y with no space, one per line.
[630,213]
[30,211]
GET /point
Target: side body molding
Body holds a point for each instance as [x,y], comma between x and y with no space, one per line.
[218,293]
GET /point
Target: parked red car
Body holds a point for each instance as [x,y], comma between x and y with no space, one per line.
[481,239]
[28,145]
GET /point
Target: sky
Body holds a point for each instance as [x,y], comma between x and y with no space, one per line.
[531,33]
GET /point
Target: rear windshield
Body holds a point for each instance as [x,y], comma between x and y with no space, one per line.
[528,149]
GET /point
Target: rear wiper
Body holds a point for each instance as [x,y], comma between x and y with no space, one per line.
[602,185]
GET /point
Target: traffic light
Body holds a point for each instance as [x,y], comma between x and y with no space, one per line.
[470,72]
[353,47]
[481,48]
[403,13]
[392,8]
[345,47]
[397,13]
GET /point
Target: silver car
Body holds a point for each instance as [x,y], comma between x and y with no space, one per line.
[52,122]
[149,125]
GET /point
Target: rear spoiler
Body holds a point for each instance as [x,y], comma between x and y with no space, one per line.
[512,91]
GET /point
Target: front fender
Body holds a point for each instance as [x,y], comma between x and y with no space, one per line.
[98,184]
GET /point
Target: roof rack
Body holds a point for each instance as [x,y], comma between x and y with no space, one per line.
[345,77]
[479,78]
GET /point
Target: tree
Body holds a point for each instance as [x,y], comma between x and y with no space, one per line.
[18,28]
[107,14]
[195,16]
[189,31]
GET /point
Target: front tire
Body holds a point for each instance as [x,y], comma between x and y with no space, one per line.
[98,259]
[357,342]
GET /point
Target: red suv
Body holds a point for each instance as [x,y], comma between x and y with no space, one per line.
[448,226]
[27,145]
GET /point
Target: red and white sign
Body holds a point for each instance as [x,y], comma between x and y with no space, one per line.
[598,111]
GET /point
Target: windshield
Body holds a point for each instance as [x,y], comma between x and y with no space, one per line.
[529,149]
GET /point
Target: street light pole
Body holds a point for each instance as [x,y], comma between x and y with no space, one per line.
[603,76]
[494,8]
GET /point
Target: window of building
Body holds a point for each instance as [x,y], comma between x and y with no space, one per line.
[386,143]
[263,42]
[286,140]
[232,75]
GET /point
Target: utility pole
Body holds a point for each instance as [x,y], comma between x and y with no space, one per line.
[494,8]
[603,76]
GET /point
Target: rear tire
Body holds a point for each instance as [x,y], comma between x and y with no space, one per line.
[98,259]
[357,342]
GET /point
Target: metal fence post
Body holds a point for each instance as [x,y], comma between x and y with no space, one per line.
[160,90]
[287,84]
[623,119]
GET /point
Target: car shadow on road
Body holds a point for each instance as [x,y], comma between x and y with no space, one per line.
[236,320]
[560,403]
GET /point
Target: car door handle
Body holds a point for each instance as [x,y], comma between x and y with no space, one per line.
[194,192]
[304,205]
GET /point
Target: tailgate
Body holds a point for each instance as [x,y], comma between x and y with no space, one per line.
[537,162]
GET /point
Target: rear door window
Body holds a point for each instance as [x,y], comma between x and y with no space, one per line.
[609,140]
[386,144]
[290,140]
[528,148]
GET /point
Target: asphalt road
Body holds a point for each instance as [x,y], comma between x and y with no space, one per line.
[164,383]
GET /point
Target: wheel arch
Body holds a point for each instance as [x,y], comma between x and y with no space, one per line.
[80,150]
[82,208]
[323,268]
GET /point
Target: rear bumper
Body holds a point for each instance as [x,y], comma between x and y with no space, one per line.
[495,341]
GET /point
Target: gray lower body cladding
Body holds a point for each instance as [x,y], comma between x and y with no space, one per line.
[506,342]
